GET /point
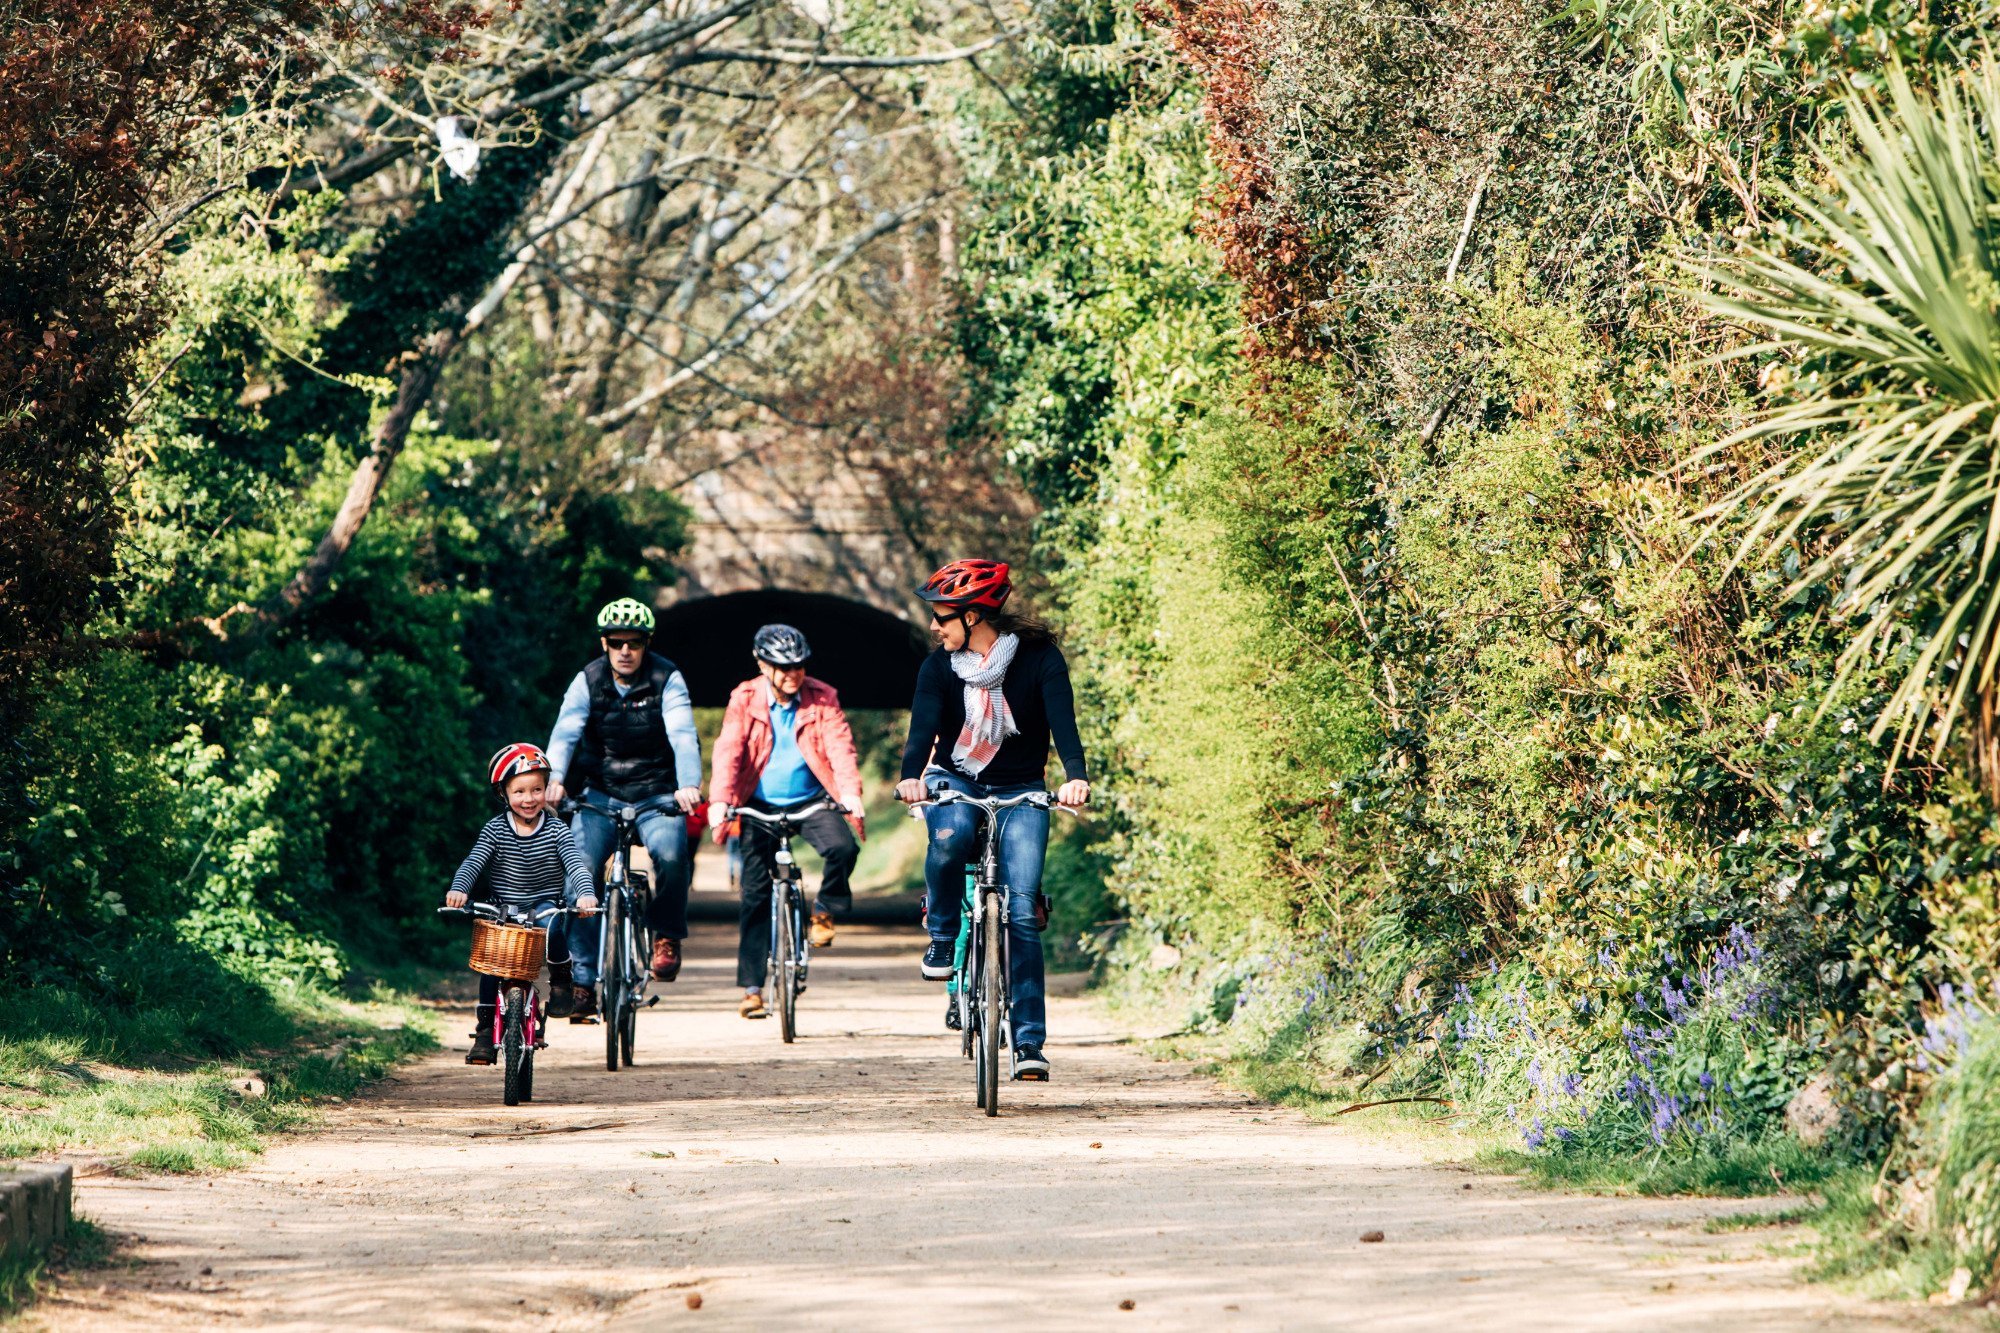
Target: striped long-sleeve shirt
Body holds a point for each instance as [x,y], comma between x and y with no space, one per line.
[517,868]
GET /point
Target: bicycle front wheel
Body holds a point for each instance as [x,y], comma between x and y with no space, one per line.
[786,957]
[611,981]
[628,1010]
[992,986]
[513,1058]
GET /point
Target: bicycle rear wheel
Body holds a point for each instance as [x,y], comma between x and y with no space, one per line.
[611,983]
[512,1056]
[963,999]
[991,987]
[786,956]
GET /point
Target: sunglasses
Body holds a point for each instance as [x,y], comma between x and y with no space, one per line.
[625,645]
[945,618]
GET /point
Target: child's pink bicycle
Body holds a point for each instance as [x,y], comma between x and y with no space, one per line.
[512,944]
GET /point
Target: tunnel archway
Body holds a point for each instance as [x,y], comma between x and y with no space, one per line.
[870,656]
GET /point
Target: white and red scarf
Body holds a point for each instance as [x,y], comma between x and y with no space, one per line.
[988,720]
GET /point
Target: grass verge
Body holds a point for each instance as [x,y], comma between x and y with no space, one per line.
[1868,1251]
[86,1246]
[1774,1164]
[1285,1073]
[136,1091]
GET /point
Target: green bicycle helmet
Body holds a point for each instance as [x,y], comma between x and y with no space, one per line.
[625,614]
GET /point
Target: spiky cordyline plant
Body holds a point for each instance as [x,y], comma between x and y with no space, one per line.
[1891,447]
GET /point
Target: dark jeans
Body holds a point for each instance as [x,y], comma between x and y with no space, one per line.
[663,829]
[1024,841]
[829,835]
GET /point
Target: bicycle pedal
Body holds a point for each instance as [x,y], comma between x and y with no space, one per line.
[652,1000]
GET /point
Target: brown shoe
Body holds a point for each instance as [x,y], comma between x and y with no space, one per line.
[666,959]
[482,1037]
[583,1004]
[753,1007]
[819,930]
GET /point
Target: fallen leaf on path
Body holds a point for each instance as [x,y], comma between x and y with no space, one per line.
[1370,1237]
[1097,1145]
[1128,1305]
[694,1300]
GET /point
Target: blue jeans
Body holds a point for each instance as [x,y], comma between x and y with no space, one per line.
[1024,841]
[663,829]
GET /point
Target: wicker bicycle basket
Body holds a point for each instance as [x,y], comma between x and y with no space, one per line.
[515,953]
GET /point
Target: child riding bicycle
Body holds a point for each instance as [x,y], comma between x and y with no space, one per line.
[524,860]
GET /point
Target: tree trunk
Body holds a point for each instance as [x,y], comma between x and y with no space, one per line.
[420,376]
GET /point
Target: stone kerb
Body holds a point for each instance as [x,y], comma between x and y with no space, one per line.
[34,1207]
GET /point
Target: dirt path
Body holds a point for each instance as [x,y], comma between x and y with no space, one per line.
[848,1182]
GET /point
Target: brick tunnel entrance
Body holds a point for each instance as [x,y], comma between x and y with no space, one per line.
[870,656]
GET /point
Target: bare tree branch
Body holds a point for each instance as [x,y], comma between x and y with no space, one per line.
[632,406]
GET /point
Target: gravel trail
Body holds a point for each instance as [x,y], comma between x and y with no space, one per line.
[848,1182]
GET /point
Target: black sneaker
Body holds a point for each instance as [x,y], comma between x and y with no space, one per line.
[937,961]
[951,1018]
[1029,1066]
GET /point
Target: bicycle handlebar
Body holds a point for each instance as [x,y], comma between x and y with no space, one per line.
[488,912]
[993,805]
[624,811]
[779,818]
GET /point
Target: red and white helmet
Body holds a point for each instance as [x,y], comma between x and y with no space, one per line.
[514,760]
[975,583]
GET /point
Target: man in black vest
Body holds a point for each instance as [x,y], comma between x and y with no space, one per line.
[626,734]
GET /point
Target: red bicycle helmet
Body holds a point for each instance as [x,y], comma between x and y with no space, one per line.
[516,759]
[976,583]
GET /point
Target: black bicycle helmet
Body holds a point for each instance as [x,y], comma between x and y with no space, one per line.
[780,645]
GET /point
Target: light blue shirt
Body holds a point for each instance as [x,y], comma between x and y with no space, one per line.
[676,709]
[786,780]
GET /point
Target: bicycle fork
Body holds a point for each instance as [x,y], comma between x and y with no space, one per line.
[531,1011]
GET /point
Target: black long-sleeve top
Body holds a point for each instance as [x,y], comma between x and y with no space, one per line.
[1038,693]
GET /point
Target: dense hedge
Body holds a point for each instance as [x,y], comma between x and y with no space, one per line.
[202,811]
[1444,749]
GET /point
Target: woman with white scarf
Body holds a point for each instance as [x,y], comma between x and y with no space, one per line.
[990,703]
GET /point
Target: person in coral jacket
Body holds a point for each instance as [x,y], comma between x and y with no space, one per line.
[785,743]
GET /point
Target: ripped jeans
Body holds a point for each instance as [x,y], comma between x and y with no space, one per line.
[1024,841]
